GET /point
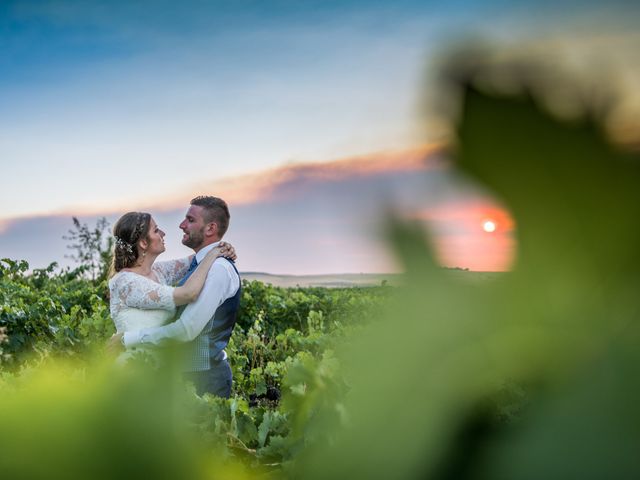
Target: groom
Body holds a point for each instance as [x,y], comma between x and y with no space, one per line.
[209,321]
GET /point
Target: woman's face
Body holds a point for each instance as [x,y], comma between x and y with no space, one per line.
[155,239]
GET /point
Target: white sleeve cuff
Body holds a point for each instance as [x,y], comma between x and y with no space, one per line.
[131,339]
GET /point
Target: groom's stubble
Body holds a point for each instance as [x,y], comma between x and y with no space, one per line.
[194,239]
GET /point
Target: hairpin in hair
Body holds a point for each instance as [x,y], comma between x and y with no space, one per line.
[124,245]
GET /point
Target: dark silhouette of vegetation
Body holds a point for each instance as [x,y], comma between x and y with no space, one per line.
[92,247]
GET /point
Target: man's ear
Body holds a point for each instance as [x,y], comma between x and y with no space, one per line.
[211,230]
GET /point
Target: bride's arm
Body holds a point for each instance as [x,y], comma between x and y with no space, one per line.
[190,290]
[172,270]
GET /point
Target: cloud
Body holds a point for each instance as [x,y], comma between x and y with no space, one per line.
[317,217]
[290,181]
[4,226]
[35,239]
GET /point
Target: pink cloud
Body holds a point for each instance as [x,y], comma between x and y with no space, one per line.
[289,181]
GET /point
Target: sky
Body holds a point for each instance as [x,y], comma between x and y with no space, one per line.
[310,118]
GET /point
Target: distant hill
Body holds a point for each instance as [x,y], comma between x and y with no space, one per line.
[342,280]
[339,280]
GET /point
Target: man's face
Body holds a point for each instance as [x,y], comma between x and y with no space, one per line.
[193,227]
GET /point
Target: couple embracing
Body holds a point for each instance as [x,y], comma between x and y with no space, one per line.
[200,293]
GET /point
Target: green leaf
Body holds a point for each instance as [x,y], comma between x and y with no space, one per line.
[263,430]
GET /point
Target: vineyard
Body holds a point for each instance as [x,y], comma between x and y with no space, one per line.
[282,349]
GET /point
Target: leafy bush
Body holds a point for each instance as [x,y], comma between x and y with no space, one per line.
[49,312]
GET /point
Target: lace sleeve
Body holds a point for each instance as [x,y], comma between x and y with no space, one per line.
[172,271]
[135,291]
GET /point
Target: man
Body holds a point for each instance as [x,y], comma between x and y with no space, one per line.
[208,322]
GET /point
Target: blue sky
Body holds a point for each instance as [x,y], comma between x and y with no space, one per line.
[109,106]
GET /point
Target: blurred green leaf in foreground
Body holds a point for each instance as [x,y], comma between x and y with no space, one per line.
[562,327]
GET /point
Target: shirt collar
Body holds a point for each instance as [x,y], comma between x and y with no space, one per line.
[204,250]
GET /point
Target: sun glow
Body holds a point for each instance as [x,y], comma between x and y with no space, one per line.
[489,226]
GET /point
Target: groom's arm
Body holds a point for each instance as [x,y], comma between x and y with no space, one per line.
[219,286]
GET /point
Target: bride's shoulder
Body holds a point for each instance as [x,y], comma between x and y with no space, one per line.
[121,278]
[118,275]
[114,278]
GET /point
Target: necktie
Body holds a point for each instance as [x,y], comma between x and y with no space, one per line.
[192,267]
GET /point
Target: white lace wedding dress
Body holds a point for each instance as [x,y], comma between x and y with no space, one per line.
[137,302]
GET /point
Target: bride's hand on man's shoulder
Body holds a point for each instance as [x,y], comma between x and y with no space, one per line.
[225,249]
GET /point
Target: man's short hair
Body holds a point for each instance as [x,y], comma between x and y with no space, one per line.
[215,211]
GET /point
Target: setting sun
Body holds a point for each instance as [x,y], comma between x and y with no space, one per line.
[489,226]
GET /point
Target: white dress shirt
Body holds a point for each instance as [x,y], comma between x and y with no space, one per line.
[222,283]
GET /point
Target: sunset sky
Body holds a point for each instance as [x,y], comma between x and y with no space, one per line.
[311,118]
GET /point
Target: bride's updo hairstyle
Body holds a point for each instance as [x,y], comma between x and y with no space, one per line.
[127,231]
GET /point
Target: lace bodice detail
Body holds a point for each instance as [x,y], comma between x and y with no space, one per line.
[138,302]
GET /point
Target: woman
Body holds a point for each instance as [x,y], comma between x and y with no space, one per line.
[142,294]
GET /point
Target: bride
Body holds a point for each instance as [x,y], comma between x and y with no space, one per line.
[141,290]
